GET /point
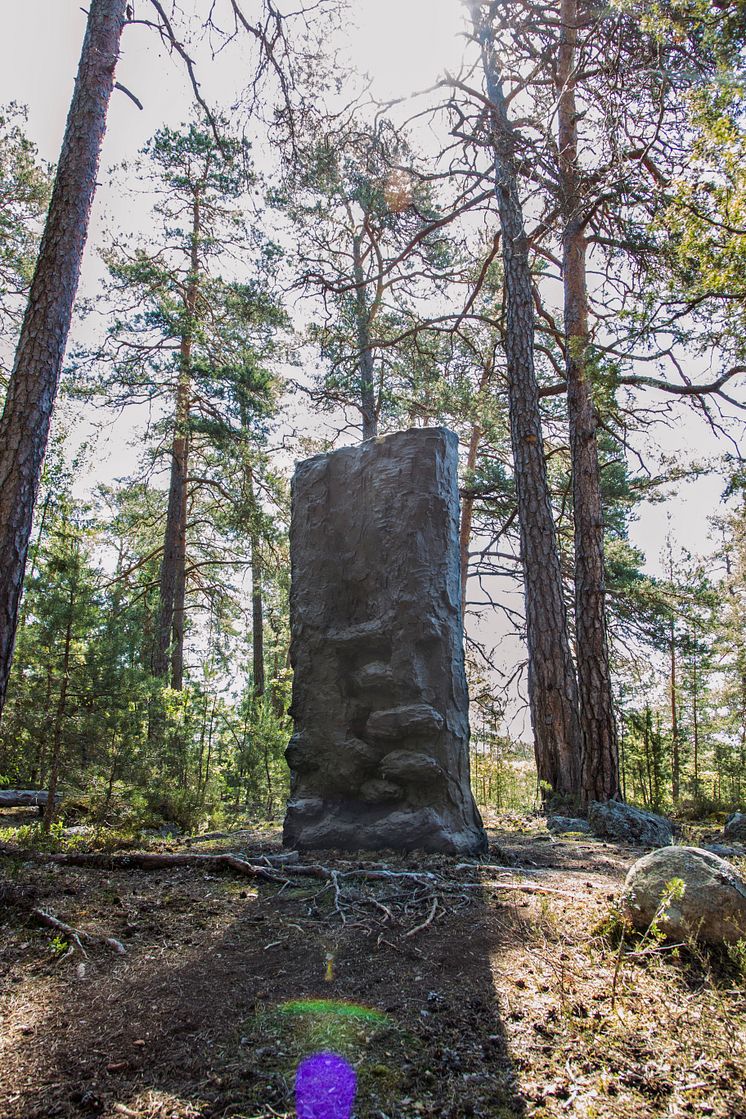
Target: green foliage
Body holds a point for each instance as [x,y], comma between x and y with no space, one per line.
[683,713]
[737,956]
[364,218]
[24,196]
[673,891]
[59,946]
[706,217]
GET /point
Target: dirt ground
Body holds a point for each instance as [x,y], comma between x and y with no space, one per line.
[452,996]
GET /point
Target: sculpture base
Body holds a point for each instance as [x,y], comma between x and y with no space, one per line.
[355,827]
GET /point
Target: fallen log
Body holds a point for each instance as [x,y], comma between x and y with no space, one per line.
[141,860]
[26,798]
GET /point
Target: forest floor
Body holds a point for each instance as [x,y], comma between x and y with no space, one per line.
[479,991]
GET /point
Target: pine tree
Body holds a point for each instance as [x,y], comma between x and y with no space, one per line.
[32,388]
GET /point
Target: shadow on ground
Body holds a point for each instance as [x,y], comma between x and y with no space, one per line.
[195,1021]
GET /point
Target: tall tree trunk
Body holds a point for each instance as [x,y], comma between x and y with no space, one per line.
[467,501]
[24,427]
[172,583]
[599,777]
[169,629]
[648,759]
[59,718]
[675,741]
[695,722]
[257,598]
[365,359]
[257,616]
[552,686]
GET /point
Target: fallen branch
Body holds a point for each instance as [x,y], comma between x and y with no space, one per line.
[163,861]
[142,860]
[76,936]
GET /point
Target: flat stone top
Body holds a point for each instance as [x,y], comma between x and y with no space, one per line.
[383,442]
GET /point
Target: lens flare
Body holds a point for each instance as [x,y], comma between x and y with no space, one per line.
[332,1008]
[324,1087]
[397,191]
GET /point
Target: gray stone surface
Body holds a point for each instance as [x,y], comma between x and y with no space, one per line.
[723,850]
[735,827]
[713,904]
[623,822]
[559,824]
[379,757]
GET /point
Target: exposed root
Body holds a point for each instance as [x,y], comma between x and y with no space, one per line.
[427,921]
[409,891]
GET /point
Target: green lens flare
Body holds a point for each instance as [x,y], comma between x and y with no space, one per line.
[333,1009]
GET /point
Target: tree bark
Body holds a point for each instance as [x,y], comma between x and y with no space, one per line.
[675,742]
[257,616]
[257,596]
[599,776]
[552,685]
[24,798]
[365,359]
[467,501]
[172,584]
[24,427]
[59,718]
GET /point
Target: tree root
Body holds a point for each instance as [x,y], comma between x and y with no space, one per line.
[422,887]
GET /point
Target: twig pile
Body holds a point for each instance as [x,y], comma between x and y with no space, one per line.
[370,897]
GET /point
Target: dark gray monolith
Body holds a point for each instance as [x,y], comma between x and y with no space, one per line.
[379,757]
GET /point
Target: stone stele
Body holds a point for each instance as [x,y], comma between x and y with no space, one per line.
[379,757]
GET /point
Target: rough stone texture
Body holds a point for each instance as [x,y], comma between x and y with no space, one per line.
[379,757]
[723,850]
[735,827]
[558,824]
[712,907]
[612,820]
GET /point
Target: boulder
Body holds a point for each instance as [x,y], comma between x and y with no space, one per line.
[300,756]
[165,831]
[723,850]
[409,828]
[710,905]
[614,820]
[374,676]
[735,827]
[559,824]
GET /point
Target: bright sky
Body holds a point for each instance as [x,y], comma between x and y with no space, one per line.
[403,44]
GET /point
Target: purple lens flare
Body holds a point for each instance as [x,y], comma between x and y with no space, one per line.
[324,1087]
